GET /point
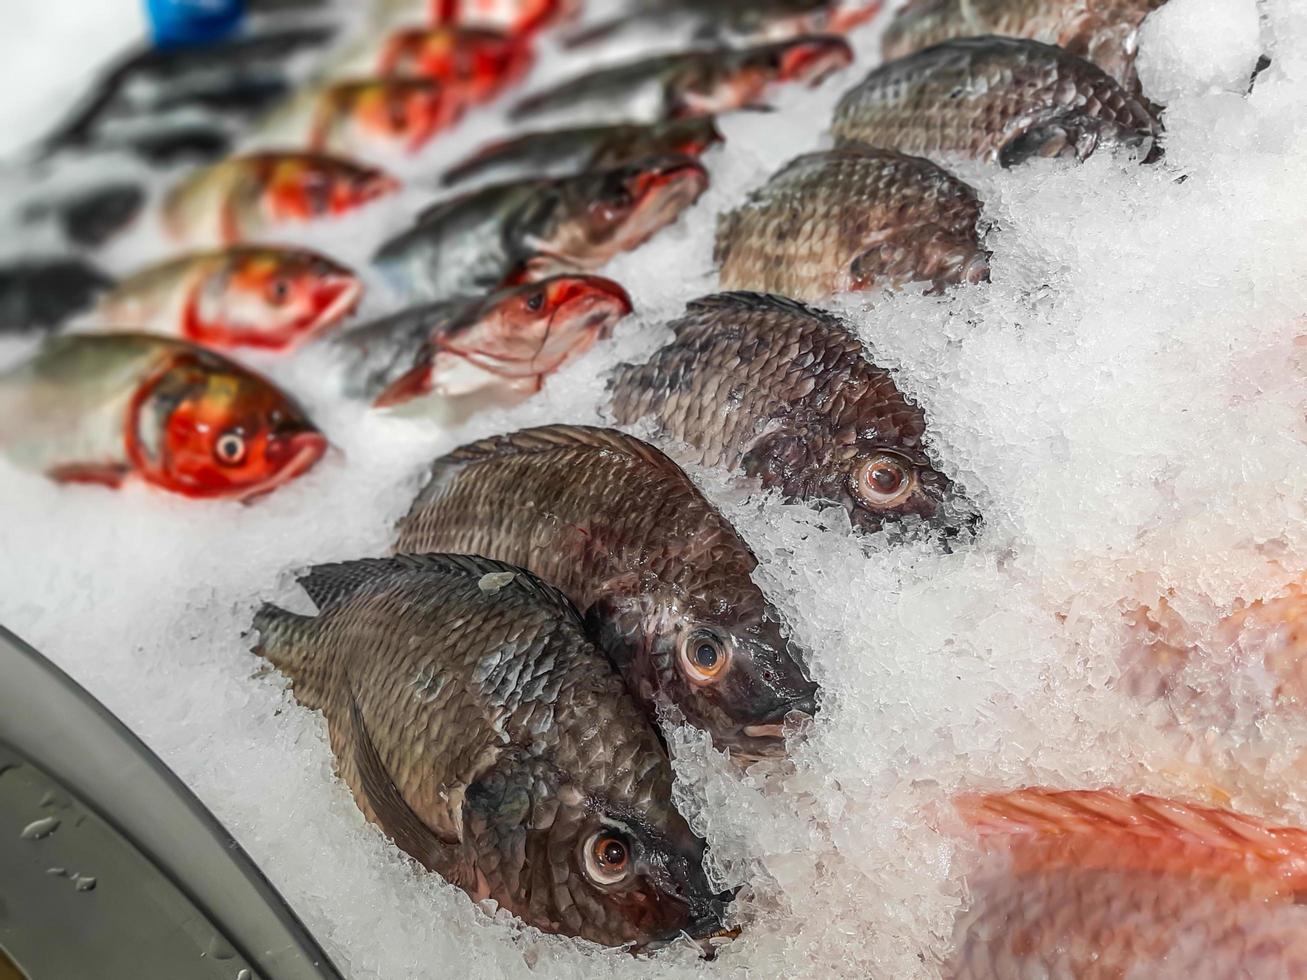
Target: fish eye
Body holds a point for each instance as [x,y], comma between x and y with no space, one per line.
[230,448]
[885,480]
[704,656]
[536,301]
[278,291]
[607,857]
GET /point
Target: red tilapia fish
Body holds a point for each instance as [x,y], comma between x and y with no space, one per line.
[1102,886]
[478,64]
[242,296]
[511,16]
[511,340]
[116,407]
[382,113]
[241,197]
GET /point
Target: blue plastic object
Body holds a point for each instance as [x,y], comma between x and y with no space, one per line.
[178,23]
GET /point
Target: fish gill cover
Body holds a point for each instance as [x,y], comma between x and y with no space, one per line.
[1123,402]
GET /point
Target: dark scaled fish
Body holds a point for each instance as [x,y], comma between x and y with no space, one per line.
[108,408]
[997,99]
[562,152]
[243,296]
[525,230]
[242,197]
[850,219]
[1102,31]
[506,342]
[1098,885]
[477,724]
[476,65]
[787,394]
[663,580]
[43,293]
[736,21]
[701,82]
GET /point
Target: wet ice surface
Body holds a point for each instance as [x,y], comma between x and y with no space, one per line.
[1124,401]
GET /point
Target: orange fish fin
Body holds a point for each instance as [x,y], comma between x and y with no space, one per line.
[109,475]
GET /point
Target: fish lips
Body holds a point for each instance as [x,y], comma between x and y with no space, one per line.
[591,297]
[293,453]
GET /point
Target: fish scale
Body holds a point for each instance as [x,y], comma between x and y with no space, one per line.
[851,218]
[804,405]
[991,98]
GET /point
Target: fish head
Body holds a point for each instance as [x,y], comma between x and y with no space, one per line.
[720,656]
[204,427]
[634,873]
[271,298]
[516,334]
[808,60]
[616,210]
[407,111]
[304,187]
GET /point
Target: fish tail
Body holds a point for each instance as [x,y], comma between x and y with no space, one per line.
[285,641]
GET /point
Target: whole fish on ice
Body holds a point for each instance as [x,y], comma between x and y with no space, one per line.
[478,725]
[661,577]
[734,21]
[700,82]
[563,152]
[380,115]
[1099,886]
[996,99]
[242,296]
[787,394]
[245,196]
[528,229]
[507,342]
[106,408]
[1103,31]
[849,219]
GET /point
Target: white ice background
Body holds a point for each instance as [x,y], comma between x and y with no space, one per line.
[1125,401]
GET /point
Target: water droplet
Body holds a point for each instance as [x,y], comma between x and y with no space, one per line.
[38,829]
[57,872]
[245,975]
[84,883]
[492,582]
[219,950]
[53,800]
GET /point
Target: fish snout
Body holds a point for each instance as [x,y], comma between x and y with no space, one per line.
[813,59]
[585,292]
[678,177]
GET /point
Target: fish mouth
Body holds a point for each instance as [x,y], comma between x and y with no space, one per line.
[814,59]
[413,383]
[375,185]
[853,15]
[337,296]
[663,192]
[765,738]
[301,452]
[579,294]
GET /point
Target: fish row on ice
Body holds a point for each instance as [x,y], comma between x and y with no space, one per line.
[493,688]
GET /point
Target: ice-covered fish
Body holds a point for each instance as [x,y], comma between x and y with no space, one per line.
[1098,885]
[474,64]
[661,577]
[108,408]
[849,219]
[476,242]
[787,394]
[478,725]
[996,99]
[699,82]
[240,198]
[736,21]
[1103,31]
[42,293]
[242,296]
[508,341]
[386,114]
[562,152]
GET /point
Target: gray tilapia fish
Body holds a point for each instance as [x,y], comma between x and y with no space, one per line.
[509,340]
[736,21]
[561,152]
[663,580]
[998,99]
[1103,31]
[478,725]
[787,394]
[848,219]
[528,229]
[701,82]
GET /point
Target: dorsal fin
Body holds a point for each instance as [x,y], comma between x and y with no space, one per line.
[767,302]
[550,438]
